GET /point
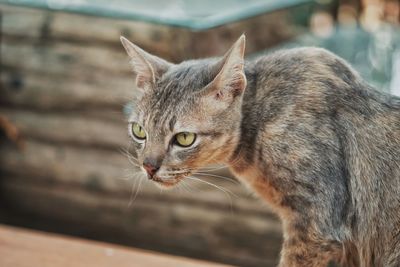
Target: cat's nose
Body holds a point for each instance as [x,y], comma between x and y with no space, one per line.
[150,167]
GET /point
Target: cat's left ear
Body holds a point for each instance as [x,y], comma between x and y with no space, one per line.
[230,81]
[146,66]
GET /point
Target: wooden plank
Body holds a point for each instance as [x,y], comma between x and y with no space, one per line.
[20,247]
[78,129]
[31,26]
[65,76]
[72,61]
[58,163]
[34,90]
[154,37]
[174,227]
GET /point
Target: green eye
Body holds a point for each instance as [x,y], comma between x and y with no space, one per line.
[138,131]
[185,139]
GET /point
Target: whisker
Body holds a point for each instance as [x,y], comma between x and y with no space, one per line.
[129,175]
[212,168]
[133,197]
[187,186]
[131,158]
[180,187]
[126,152]
[226,191]
[237,159]
[217,176]
[167,178]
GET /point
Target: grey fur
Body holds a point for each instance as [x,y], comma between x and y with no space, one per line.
[308,134]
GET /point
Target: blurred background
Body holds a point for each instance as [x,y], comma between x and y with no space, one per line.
[65,80]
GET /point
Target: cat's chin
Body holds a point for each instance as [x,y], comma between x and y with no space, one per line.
[163,185]
[167,184]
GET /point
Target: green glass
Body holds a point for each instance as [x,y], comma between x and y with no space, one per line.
[193,14]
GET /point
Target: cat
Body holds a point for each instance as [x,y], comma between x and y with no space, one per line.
[299,126]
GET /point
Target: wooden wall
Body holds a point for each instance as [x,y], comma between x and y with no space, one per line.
[64,81]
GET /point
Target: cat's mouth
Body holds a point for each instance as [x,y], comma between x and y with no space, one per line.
[164,183]
[170,181]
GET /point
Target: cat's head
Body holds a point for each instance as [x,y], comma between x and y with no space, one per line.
[186,115]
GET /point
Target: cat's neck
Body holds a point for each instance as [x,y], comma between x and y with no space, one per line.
[248,126]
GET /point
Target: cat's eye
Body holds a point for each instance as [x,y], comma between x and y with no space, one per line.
[138,131]
[185,139]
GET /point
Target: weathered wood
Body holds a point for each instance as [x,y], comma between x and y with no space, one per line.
[78,129]
[33,90]
[31,77]
[45,26]
[172,43]
[54,163]
[28,27]
[179,228]
[20,248]
[69,60]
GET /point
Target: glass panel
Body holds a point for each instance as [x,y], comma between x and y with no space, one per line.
[195,14]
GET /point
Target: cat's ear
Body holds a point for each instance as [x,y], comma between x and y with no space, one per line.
[146,66]
[230,80]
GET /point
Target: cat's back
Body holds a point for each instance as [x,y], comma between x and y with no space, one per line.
[304,68]
[315,75]
[312,85]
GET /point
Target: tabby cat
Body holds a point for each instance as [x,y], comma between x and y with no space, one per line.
[299,126]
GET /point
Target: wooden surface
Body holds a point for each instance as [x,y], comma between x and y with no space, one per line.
[20,248]
[64,86]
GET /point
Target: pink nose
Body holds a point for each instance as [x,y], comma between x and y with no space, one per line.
[150,169]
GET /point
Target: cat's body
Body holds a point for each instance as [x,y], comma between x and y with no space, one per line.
[324,150]
[301,129]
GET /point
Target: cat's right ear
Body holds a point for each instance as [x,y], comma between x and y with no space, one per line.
[230,80]
[148,68]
